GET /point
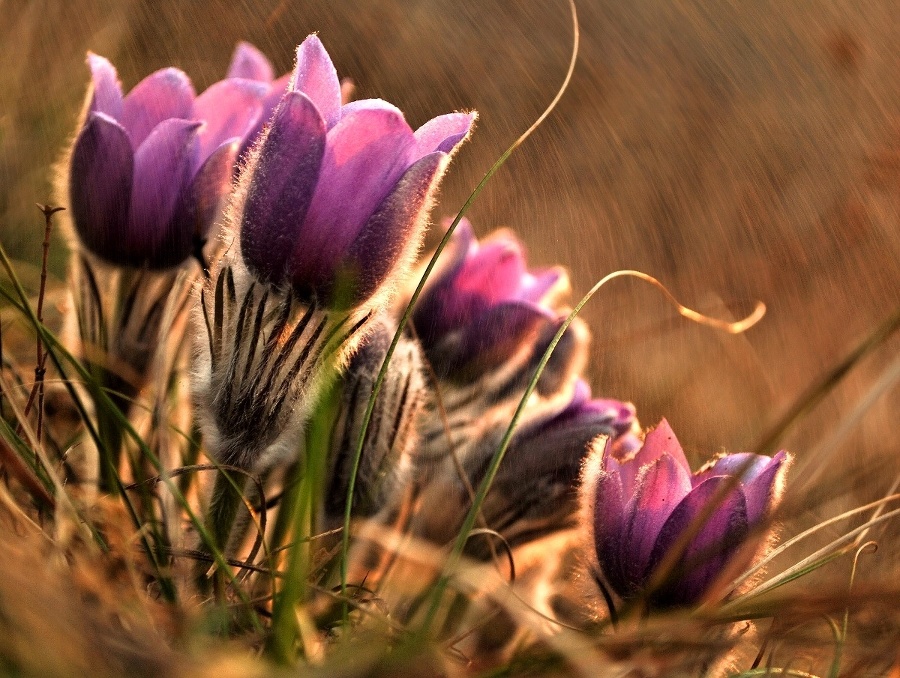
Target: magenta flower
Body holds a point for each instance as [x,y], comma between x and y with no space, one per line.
[148,170]
[335,195]
[483,305]
[640,505]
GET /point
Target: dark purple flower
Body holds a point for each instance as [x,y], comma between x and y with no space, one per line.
[483,305]
[334,195]
[148,170]
[640,505]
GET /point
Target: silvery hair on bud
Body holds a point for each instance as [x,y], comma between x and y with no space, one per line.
[391,436]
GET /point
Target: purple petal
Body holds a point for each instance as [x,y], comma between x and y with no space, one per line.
[396,229]
[607,506]
[281,186]
[230,108]
[269,103]
[535,287]
[107,95]
[662,440]
[747,464]
[248,62]
[366,105]
[100,179]
[443,133]
[763,491]
[661,485]
[166,94]
[315,76]
[492,275]
[708,552]
[162,170]
[364,159]
[200,205]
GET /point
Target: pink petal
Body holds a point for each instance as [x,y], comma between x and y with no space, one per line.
[365,157]
[230,108]
[662,440]
[315,76]
[107,95]
[443,133]
[162,95]
[248,62]
[661,485]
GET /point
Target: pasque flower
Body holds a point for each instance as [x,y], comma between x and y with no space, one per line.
[326,217]
[148,170]
[641,506]
[483,305]
[334,198]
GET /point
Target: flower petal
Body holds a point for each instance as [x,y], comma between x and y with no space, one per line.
[747,464]
[428,316]
[606,500]
[270,102]
[107,95]
[315,76]
[100,179]
[493,336]
[492,275]
[443,133]
[661,440]
[365,157]
[281,186]
[763,491]
[165,94]
[230,108]
[201,204]
[162,170]
[395,231]
[661,485]
[248,62]
[708,552]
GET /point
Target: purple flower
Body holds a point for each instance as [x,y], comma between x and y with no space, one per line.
[483,305]
[334,195]
[148,170]
[639,506]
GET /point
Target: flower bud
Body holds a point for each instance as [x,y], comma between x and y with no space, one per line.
[642,505]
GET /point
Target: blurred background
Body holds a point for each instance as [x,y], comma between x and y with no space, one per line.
[738,151]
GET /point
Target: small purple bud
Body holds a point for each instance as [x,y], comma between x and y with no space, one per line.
[640,505]
[484,306]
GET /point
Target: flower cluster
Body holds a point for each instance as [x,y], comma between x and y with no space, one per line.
[327,204]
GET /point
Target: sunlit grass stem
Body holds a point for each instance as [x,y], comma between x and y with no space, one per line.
[382,373]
